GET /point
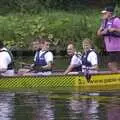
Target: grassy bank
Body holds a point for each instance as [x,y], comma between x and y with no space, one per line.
[18,30]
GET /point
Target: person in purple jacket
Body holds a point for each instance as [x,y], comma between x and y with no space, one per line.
[110,30]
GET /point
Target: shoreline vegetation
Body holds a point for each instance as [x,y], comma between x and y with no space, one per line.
[18,29]
[62,21]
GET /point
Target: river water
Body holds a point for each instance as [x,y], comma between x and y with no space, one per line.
[59,105]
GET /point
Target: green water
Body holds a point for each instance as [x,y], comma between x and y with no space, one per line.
[59,105]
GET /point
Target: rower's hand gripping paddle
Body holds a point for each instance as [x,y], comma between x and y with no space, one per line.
[87,74]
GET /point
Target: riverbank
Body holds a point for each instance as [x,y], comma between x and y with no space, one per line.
[18,29]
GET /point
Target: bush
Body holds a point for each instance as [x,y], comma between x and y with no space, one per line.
[35,6]
[18,30]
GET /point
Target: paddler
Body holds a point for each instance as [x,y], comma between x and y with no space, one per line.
[75,63]
[89,57]
[36,47]
[6,61]
[43,60]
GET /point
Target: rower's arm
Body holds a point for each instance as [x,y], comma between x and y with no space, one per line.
[49,61]
[3,70]
[114,30]
[69,69]
[48,66]
[116,26]
[117,30]
[101,32]
[94,67]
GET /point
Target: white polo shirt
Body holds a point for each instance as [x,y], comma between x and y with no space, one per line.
[92,58]
[48,56]
[76,60]
[5,60]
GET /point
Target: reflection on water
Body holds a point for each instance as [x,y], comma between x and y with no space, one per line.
[86,109]
[31,106]
[59,106]
[6,106]
[113,109]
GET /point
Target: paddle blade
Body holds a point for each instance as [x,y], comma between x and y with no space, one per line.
[88,77]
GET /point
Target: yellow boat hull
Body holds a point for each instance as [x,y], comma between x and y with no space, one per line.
[98,82]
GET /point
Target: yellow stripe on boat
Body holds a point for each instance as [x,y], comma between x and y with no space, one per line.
[98,82]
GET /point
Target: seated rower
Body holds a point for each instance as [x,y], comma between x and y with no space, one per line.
[75,63]
[43,60]
[89,57]
[36,47]
[6,61]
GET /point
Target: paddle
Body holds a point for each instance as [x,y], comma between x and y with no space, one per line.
[87,74]
[25,68]
[30,68]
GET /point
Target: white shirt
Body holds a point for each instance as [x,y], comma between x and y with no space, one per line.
[76,60]
[48,56]
[5,60]
[92,58]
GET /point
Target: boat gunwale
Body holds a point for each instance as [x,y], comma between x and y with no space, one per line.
[61,75]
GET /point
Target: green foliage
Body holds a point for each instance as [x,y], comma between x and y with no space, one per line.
[36,6]
[117,10]
[18,30]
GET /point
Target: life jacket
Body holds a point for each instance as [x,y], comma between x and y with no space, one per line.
[105,25]
[77,68]
[84,58]
[40,61]
[11,65]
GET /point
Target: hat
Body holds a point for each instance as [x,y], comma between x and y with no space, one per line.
[108,9]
